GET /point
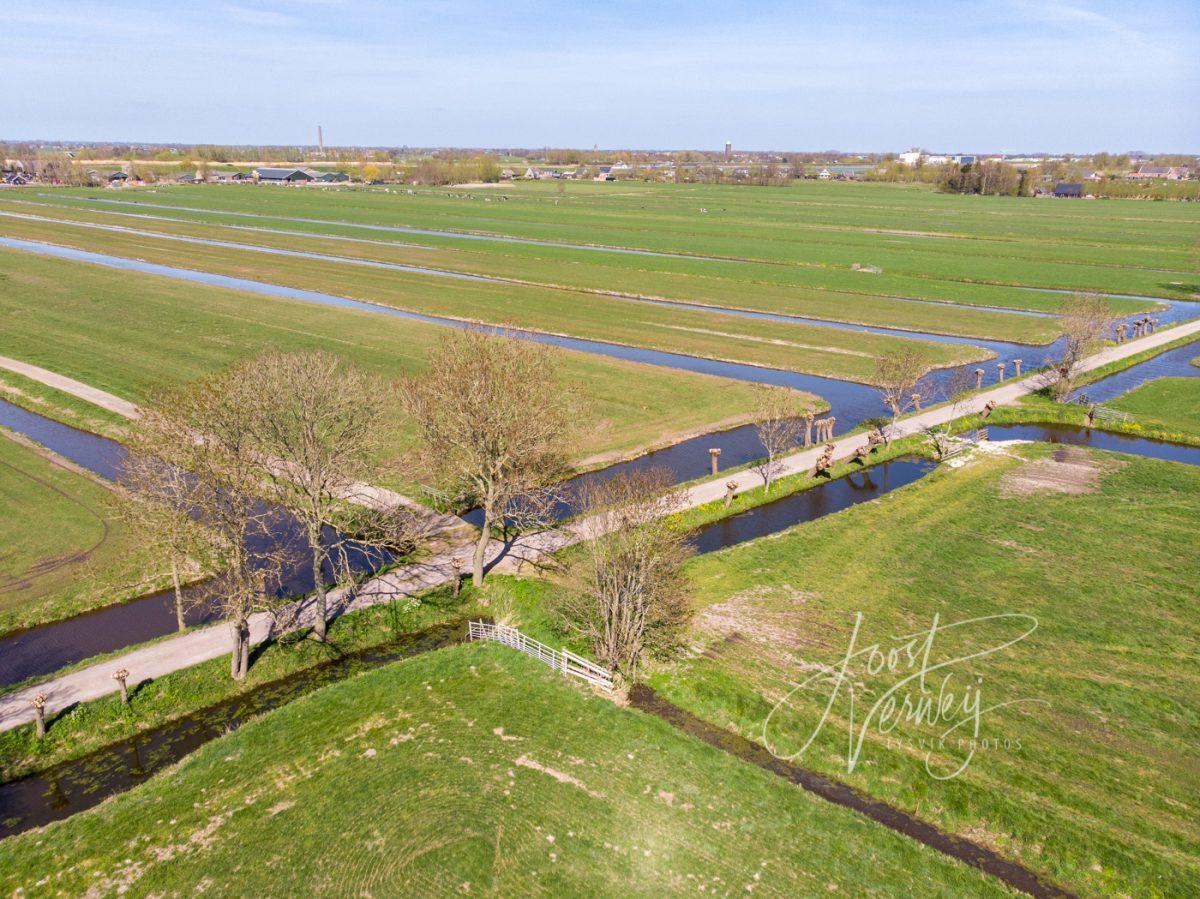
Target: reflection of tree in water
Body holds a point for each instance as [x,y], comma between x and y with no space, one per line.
[56,795]
[861,481]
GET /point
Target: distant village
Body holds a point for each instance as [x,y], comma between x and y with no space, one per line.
[1042,175]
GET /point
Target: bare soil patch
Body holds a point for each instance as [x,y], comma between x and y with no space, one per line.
[1070,470]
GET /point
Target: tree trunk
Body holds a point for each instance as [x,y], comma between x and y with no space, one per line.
[235,657]
[245,660]
[178,593]
[320,603]
[239,661]
[485,535]
[40,722]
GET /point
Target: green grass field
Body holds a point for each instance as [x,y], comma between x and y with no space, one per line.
[745,285]
[126,333]
[1172,404]
[61,549]
[813,349]
[474,771]
[914,234]
[1098,788]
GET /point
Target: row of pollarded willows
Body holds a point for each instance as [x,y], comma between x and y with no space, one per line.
[902,376]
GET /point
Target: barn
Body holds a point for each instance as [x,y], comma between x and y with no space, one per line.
[284,176]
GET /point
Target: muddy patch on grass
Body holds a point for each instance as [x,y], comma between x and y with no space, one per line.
[1070,470]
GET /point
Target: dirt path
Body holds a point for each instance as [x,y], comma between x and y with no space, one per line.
[194,647]
[93,395]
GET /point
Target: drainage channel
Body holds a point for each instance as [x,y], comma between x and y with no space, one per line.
[1005,351]
[998,346]
[1015,875]
[852,401]
[72,786]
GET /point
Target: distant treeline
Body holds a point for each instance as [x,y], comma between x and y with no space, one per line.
[1004,179]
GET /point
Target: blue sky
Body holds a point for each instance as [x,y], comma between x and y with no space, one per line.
[1001,75]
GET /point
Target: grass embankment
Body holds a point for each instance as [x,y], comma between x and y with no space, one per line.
[744,285]
[1170,405]
[928,244]
[128,333]
[470,770]
[51,403]
[1040,409]
[1097,789]
[813,349]
[62,550]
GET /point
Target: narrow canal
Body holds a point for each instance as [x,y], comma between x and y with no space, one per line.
[47,648]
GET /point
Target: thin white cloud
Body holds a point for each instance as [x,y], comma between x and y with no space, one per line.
[1073,15]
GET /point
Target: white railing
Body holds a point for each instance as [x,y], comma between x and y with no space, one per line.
[963,442]
[559,659]
[1104,413]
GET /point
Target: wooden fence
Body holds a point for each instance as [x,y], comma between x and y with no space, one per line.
[559,659]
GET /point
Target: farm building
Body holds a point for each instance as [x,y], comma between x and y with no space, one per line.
[1068,189]
[1170,173]
[284,176]
[333,177]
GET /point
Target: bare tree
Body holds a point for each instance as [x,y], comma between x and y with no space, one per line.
[626,579]
[203,429]
[898,375]
[318,425]
[493,419]
[955,389]
[157,505]
[1085,319]
[778,421]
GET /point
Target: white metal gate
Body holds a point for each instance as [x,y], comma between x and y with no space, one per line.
[559,659]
